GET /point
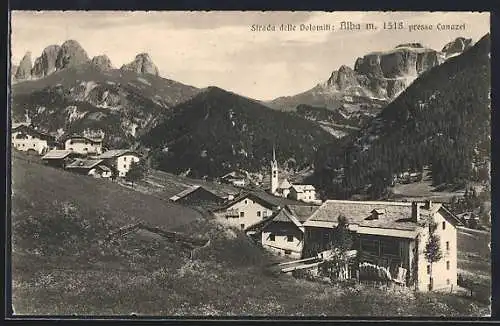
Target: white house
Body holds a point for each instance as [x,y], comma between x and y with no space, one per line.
[250,208]
[391,235]
[120,159]
[26,138]
[306,193]
[83,145]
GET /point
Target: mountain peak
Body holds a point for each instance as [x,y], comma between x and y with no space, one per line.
[458,45]
[142,64]
[71,54]
[24,69]
[45,64]
[102,62]
[410,45]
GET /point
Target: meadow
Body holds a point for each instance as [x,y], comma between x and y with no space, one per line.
[62,265]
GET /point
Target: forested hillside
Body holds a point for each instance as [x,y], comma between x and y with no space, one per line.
[218,131]
[442,121]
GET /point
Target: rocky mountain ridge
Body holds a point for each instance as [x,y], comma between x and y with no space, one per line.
[441,121]
[71,54]
[67,92]
[376,79]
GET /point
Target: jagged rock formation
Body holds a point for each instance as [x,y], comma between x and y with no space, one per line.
[70,54]
[45,64]
[142,64]
[24,69]
[459,45]
[377,78]
[13,69]
[102,62]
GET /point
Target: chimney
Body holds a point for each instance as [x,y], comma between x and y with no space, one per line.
[428,204]
[415,211]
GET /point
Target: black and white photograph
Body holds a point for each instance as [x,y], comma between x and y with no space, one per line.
[250,164]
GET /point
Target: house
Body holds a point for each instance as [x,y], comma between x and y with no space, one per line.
[83,145]
[249,208]
[27,138]
[119,159]
[234,178]
[283,232]
[306,193]
[197,196]
[101,171]
[92,167]
[392,235]
[57,158]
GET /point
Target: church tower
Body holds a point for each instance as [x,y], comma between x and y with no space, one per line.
[274,174]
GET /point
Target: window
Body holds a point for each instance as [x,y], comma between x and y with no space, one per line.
[444,225]
[245,201]
[428,269]
[371,246]
[288,252]
[447,265]
[388,247]
[258,213]
[242,226]
[447,245]
[289,238]
[124,166]
[85,149]
[271,237]
[34,145]
[23,145]
[242,214]
[448,281]
[71,148]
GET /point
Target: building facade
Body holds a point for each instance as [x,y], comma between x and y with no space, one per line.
[120,159]
[26,138]
[83,145]
[391,236]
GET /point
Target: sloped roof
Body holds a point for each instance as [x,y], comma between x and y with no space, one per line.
[184,193]
[302,188]
[296,214]
[83,164]
[302,212]
[29,129]
[285,184]
[74,136]
[116,153]
[56,154]
[397,215]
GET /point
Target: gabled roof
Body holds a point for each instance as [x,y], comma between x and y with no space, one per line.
[264,198]
[285,184]
[73,136]
[449,216]
[302,212]
[295,214]
[302,188]
[83,164]
[29,129]
[56,154]
[190,190]
[116,153]
[397,215]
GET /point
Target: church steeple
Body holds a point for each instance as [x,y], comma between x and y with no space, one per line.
[274,173]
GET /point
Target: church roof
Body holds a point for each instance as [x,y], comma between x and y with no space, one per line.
[285,184]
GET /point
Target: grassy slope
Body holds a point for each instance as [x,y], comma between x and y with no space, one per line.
[45,184]
[157,278]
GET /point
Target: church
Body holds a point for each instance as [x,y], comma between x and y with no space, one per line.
[284,188]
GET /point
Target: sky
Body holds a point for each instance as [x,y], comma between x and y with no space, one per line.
[220,49]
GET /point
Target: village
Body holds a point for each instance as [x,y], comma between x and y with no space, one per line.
[389,241]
